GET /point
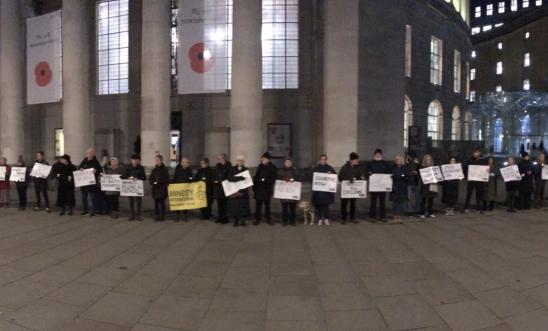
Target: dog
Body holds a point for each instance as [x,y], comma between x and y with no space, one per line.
[308,211]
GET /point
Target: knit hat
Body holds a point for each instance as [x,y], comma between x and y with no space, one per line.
[524,154]
[266,155]
[66,157]
[378,151]
[354,156]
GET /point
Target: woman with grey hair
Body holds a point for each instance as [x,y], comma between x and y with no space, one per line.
[238,203]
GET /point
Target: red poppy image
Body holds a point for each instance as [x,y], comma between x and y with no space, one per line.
[201,59]
[43,74]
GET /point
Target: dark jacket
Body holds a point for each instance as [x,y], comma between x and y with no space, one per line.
[220,173]
[182,175]
[111,171]
[351,172]
[41,183]
[206,175]
[89,164]
[490,189]
[537,172]
[137,172]
[323,198]
[263,181]
[473,161]
[450,192]
[238,203]
[159,180]
[378,167]
[288,174]
[65,193]
[526,170]
[27,176]
[399,184]
[412,169]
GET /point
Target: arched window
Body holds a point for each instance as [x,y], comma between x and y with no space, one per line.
[435,121]
[407,120]
[467,125]
[498,136]
[455,124]
[526,125]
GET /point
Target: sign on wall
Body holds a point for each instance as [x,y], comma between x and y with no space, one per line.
[202,54]
[44,54]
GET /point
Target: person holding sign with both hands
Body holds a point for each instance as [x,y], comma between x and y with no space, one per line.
[351,171]
[428,191]
[288,173]
[113,197]
[320,199]
[378,166]
[183,174]
[238,203]
[90,162]
[41,185]
[135,171]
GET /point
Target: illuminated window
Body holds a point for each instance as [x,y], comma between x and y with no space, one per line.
[457,68]
[436,60]
[489,10]
[487,27]
[527,35]
[407,120]
[477,11]
[473,74]
[467,92]
[502,7]
[476,30]
[498,25]
[526,59]
[498,135]
[473,54]
[514,5]
[498,88]
[59,142]
[499,68]
[472,96]
[538,2]
[526,85]
[174,42]
[525,4]
[499,46]
[112,46]
[455,124]
[467,125]
[435,121]
[408,41]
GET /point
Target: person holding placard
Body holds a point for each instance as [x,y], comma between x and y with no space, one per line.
[21,185]
[540,181]
[351,171]
[526,184]
[220,174]
[512,188]
[135,171]
[183,174]
[288,173]
[205,174]
[450,192]
[320,199]
[65,179]
[113,197]
[90,191]
[473,187]
[263,188]
[378,166]
[238,203]
[490,190]
[4,182]
[428,191]
[41,186]
[159,180]
[398,196]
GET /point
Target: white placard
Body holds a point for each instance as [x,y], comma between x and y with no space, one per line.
[431,175]
[40,170]
[111,183]
[231,188]
[380,183]
[287,190]
[3,172]
[323,182]
[354,190]
[544,174]
[510,173]
[18,174]
[452,171]
[84,177]
[478,173]
[132,188]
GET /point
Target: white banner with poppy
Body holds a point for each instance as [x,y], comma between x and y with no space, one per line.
[44,58]
[202,54]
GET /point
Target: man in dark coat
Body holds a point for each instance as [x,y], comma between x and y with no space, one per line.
[183,174]
[413,204]
[205,174]
[220,174]
[526,184]
[112,197]
[238,203]
[472,186]
[22,186]
[135,171]
[41,185]
[288,173]
[540,184]
[90,162]
[64,173]
[264,187]
[159,180]
[322,200]
[378,166]
[351,171]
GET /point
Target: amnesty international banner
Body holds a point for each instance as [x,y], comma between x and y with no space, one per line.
[187,196]
[202,54]
[44,58]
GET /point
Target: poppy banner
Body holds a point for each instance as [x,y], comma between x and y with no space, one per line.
[44,58]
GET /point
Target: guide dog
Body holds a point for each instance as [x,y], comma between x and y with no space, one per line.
[308,211]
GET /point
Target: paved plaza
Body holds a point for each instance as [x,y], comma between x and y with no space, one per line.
[468,272]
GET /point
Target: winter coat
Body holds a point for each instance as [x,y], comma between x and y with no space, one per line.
[412,169]
[351,172]
[27,176]
[238,203]
[399,184]
[288,174]
[89,164]
[182,175]
[323,198]
[537,172]
[159,180]
[220,173]
[111,171]
[263,181]
[137,172]
[427,190]
[5,184]
[41,183]
[490,189]
[450,192]
[526,170]
[206,175]
[65,179]
[378,167]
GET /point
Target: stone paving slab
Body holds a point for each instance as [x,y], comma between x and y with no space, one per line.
[467,272]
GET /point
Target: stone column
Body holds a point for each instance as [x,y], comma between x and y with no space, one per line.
[77,45]
[246,102]
[340,122]
[11,80]
[155,80]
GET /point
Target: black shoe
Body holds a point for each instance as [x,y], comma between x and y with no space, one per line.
[235,224]
[293,223]
[269,222]
[131,218]
[92,215]
[84,213]
[62,212]
[256,222]
[355,221]
[284,223]
[243,223]
[343,221]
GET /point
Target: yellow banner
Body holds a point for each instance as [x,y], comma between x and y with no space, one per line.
[187,196]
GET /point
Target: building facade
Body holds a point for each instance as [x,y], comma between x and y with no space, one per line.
[349,77]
